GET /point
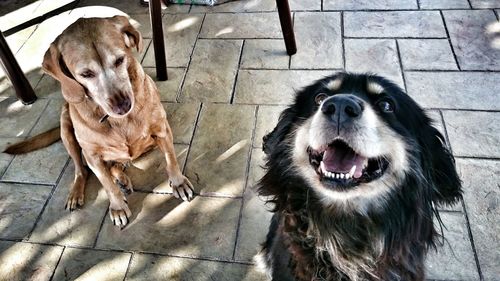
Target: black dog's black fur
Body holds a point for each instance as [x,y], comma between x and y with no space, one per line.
[405,226]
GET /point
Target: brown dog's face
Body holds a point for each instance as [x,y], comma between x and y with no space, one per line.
[97,53]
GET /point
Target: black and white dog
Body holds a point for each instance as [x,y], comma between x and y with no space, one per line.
[355,171]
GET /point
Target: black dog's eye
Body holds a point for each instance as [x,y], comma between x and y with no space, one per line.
[386,106]
[88,74]
[320,97]
[119,61]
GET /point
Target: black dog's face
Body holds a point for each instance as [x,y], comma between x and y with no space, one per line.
[354,139]
[347,146]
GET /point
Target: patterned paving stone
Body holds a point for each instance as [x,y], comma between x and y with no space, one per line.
[17,39]
[6,88]
[20,207]
[304,5]
[77,228]
[411,24]
[427,54]
[170,88]
[459,90]
[33,167]
[251,25]
[322,48]
[31,54]
[48,87]
[143,24]
[14,13]
[444,4]
[484,4]
[477,46]
[481,196]
[256,216]
[180,32]
[6,158]
[369,5]
[273,86]
[139,56]
[212,71]
[50,117]
[454,259]
[257,169]
[182,118]
[17,119]
[204,227]
[47,6]
[79,264]
[25,261]
[154,267]
[221,147]
[148,173]
[237,7]
[473,133]
[267,118]
[437,120]
[378,56]
[264,53]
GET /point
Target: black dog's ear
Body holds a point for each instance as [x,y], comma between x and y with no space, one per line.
[271,140]
[440,166]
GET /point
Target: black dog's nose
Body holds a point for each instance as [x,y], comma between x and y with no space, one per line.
[343,106]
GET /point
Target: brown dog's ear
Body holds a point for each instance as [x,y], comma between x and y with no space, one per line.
[131,35]
[53,64]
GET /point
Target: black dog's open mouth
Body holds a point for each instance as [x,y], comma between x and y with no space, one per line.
[340,166]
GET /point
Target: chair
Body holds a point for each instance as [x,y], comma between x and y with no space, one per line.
[25,92]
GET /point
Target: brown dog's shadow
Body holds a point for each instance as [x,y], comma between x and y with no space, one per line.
[148,172]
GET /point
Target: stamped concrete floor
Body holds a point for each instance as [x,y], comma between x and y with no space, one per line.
[229,79]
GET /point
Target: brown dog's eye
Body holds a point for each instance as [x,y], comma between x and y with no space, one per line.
[118,61]
[320,97]
[386,106]
[87,74]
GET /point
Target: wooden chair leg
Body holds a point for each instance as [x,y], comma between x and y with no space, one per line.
[287,26]
[158,42]
[23,89]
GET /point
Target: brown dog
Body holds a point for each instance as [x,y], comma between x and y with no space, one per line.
[113,112]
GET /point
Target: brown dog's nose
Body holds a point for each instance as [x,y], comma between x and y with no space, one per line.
[122,106]
[342,107]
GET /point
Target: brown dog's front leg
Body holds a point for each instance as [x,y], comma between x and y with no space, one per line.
[181,187]
[77,191]
[118,208]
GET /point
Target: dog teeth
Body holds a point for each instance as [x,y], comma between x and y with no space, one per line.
[351,172]
[336,175]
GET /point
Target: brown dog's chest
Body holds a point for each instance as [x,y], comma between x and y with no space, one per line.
[121,140]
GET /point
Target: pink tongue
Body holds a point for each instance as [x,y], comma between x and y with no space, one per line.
[340,159]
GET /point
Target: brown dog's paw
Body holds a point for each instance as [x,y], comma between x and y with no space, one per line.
[119,211]
[75,199]
[125,184]
[182,188]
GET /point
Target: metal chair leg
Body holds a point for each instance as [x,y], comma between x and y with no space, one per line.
[158,42]
[23,89]
[287,26]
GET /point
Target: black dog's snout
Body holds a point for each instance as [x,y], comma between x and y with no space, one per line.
[342,106]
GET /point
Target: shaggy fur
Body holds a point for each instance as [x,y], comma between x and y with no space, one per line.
[340,230]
